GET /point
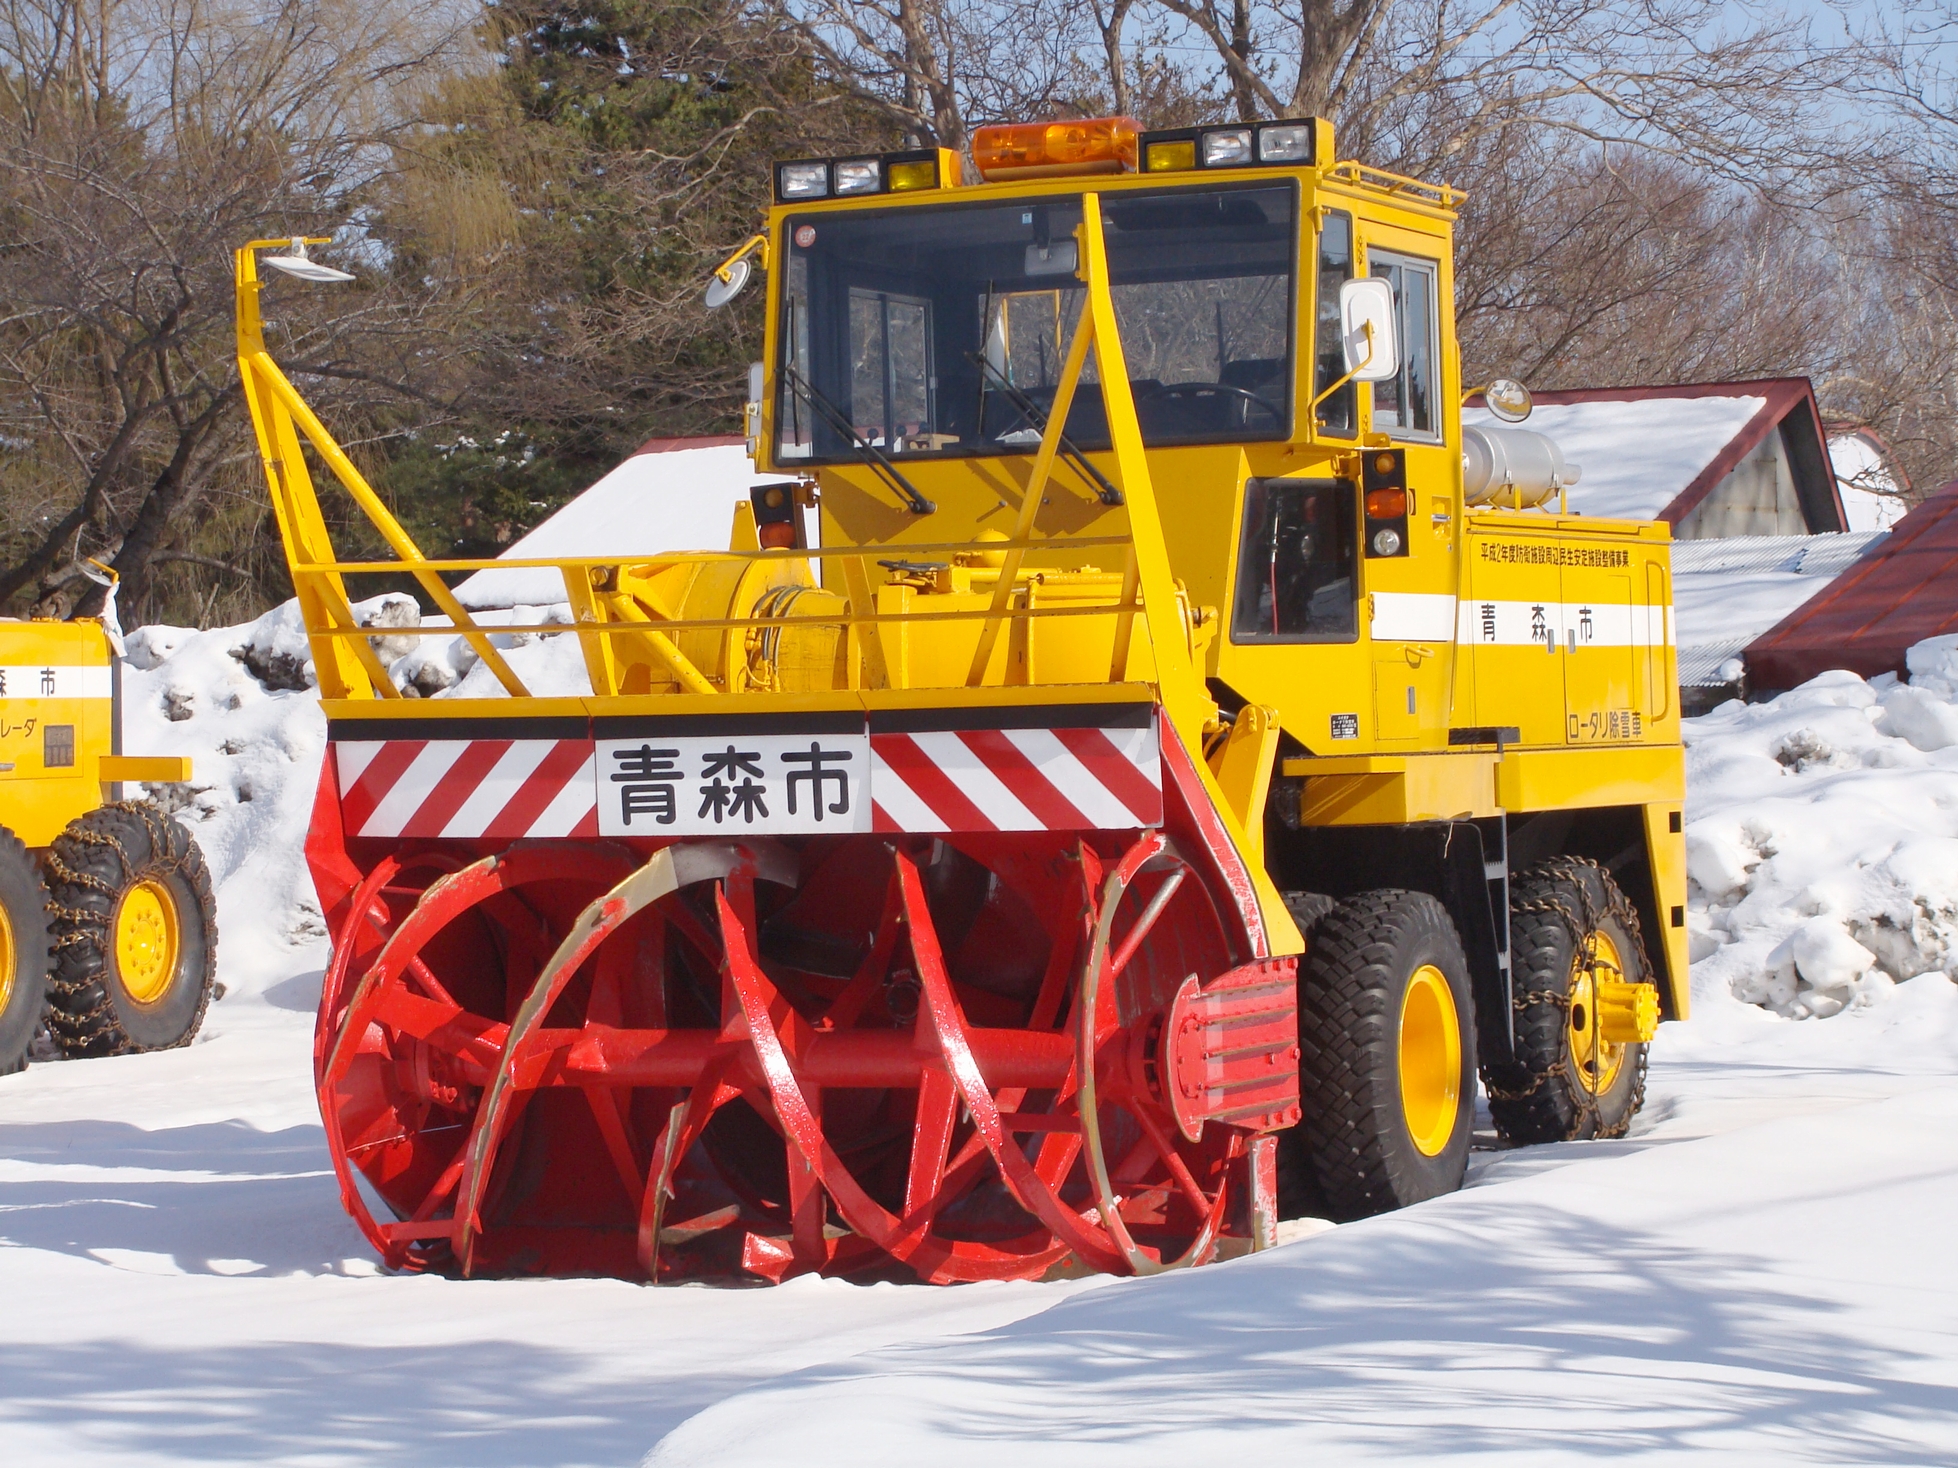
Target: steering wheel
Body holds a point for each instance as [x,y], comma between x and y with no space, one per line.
[1197,389]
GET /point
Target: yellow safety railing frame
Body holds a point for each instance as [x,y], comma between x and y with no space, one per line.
[349,668]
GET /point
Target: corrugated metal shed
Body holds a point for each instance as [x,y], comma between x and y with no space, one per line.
[1905,590]
[1728,592]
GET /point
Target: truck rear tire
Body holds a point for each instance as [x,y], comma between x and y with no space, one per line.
[135,933]
[1387,1054]
[23,951]
[1568,1082]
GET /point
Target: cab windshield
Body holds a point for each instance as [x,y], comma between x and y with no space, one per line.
[942,330]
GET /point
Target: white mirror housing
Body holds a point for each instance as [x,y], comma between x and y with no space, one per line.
[1367,331]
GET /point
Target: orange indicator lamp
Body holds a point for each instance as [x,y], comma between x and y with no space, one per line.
[1056,149]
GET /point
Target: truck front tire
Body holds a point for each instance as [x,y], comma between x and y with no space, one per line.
[1387,1054]
[135,933]
[23,951]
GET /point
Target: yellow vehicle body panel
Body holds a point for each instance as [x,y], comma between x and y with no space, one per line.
[57,726]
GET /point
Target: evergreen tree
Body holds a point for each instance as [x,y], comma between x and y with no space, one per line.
[581,188]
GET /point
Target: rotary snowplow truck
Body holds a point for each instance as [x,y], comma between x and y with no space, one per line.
[1126,785]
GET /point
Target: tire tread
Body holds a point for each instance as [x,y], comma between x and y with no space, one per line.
[89,867]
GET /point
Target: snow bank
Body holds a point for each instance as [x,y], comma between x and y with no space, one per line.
[255,744]
[1822,838]
[673,495]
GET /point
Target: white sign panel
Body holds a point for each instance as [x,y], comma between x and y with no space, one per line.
[49,682]
[773,784]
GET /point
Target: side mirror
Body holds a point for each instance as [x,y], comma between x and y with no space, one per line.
[728,282]
[1507,400]
[1366,330]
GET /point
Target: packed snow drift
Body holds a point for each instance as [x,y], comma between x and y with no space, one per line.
[1759,1270]
[1822,837]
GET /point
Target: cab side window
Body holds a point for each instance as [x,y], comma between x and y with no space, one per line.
[1405,404]
[1329,358]
[1295,574]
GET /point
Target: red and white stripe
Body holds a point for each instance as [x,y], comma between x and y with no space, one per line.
[493,789]
[1016,780]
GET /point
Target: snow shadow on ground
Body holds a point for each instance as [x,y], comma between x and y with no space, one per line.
[182,1199]
[483,1403]
[1479,1329]
[300,993]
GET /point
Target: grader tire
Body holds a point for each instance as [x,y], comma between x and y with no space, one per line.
[1387,1054]
[135,933]
[23,951]
[1567,1083]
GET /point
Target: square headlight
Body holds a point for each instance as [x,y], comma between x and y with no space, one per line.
[859,176]
[1226,146]
[1289,142]
[802,180]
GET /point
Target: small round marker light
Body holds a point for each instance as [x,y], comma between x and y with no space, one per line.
[1386,542]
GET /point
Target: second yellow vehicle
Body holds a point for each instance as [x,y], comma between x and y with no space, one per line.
[108,930]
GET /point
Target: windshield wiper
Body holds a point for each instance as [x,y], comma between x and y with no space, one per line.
[864,449]
[1030,410]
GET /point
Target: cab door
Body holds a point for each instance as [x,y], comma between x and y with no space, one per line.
[1603,686]
[1411,591]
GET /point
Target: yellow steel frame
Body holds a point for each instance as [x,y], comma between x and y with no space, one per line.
[350,670]
[348,667]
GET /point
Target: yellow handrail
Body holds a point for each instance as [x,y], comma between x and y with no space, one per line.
[843,618]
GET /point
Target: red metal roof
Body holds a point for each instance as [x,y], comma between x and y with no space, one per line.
[1904,590]
[701,441]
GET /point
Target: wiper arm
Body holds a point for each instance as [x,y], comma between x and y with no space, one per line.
[1030,410]
[864,449]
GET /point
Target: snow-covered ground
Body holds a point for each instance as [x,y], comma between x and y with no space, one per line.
[1760,1272]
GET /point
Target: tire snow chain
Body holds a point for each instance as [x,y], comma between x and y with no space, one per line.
[1584,932]
[89,927]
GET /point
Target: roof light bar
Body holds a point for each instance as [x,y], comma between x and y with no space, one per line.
[1290,141]
[888,173]
[1056,149]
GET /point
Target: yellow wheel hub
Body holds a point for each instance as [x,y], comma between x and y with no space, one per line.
[146,941]
[8,959]
[1430,1060]
[1594,1060]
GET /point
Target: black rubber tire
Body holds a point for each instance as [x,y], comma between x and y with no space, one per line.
[1307,908]
[26,904]
[1553,908]
[1352,985]
[1299,1194]
[92,864]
